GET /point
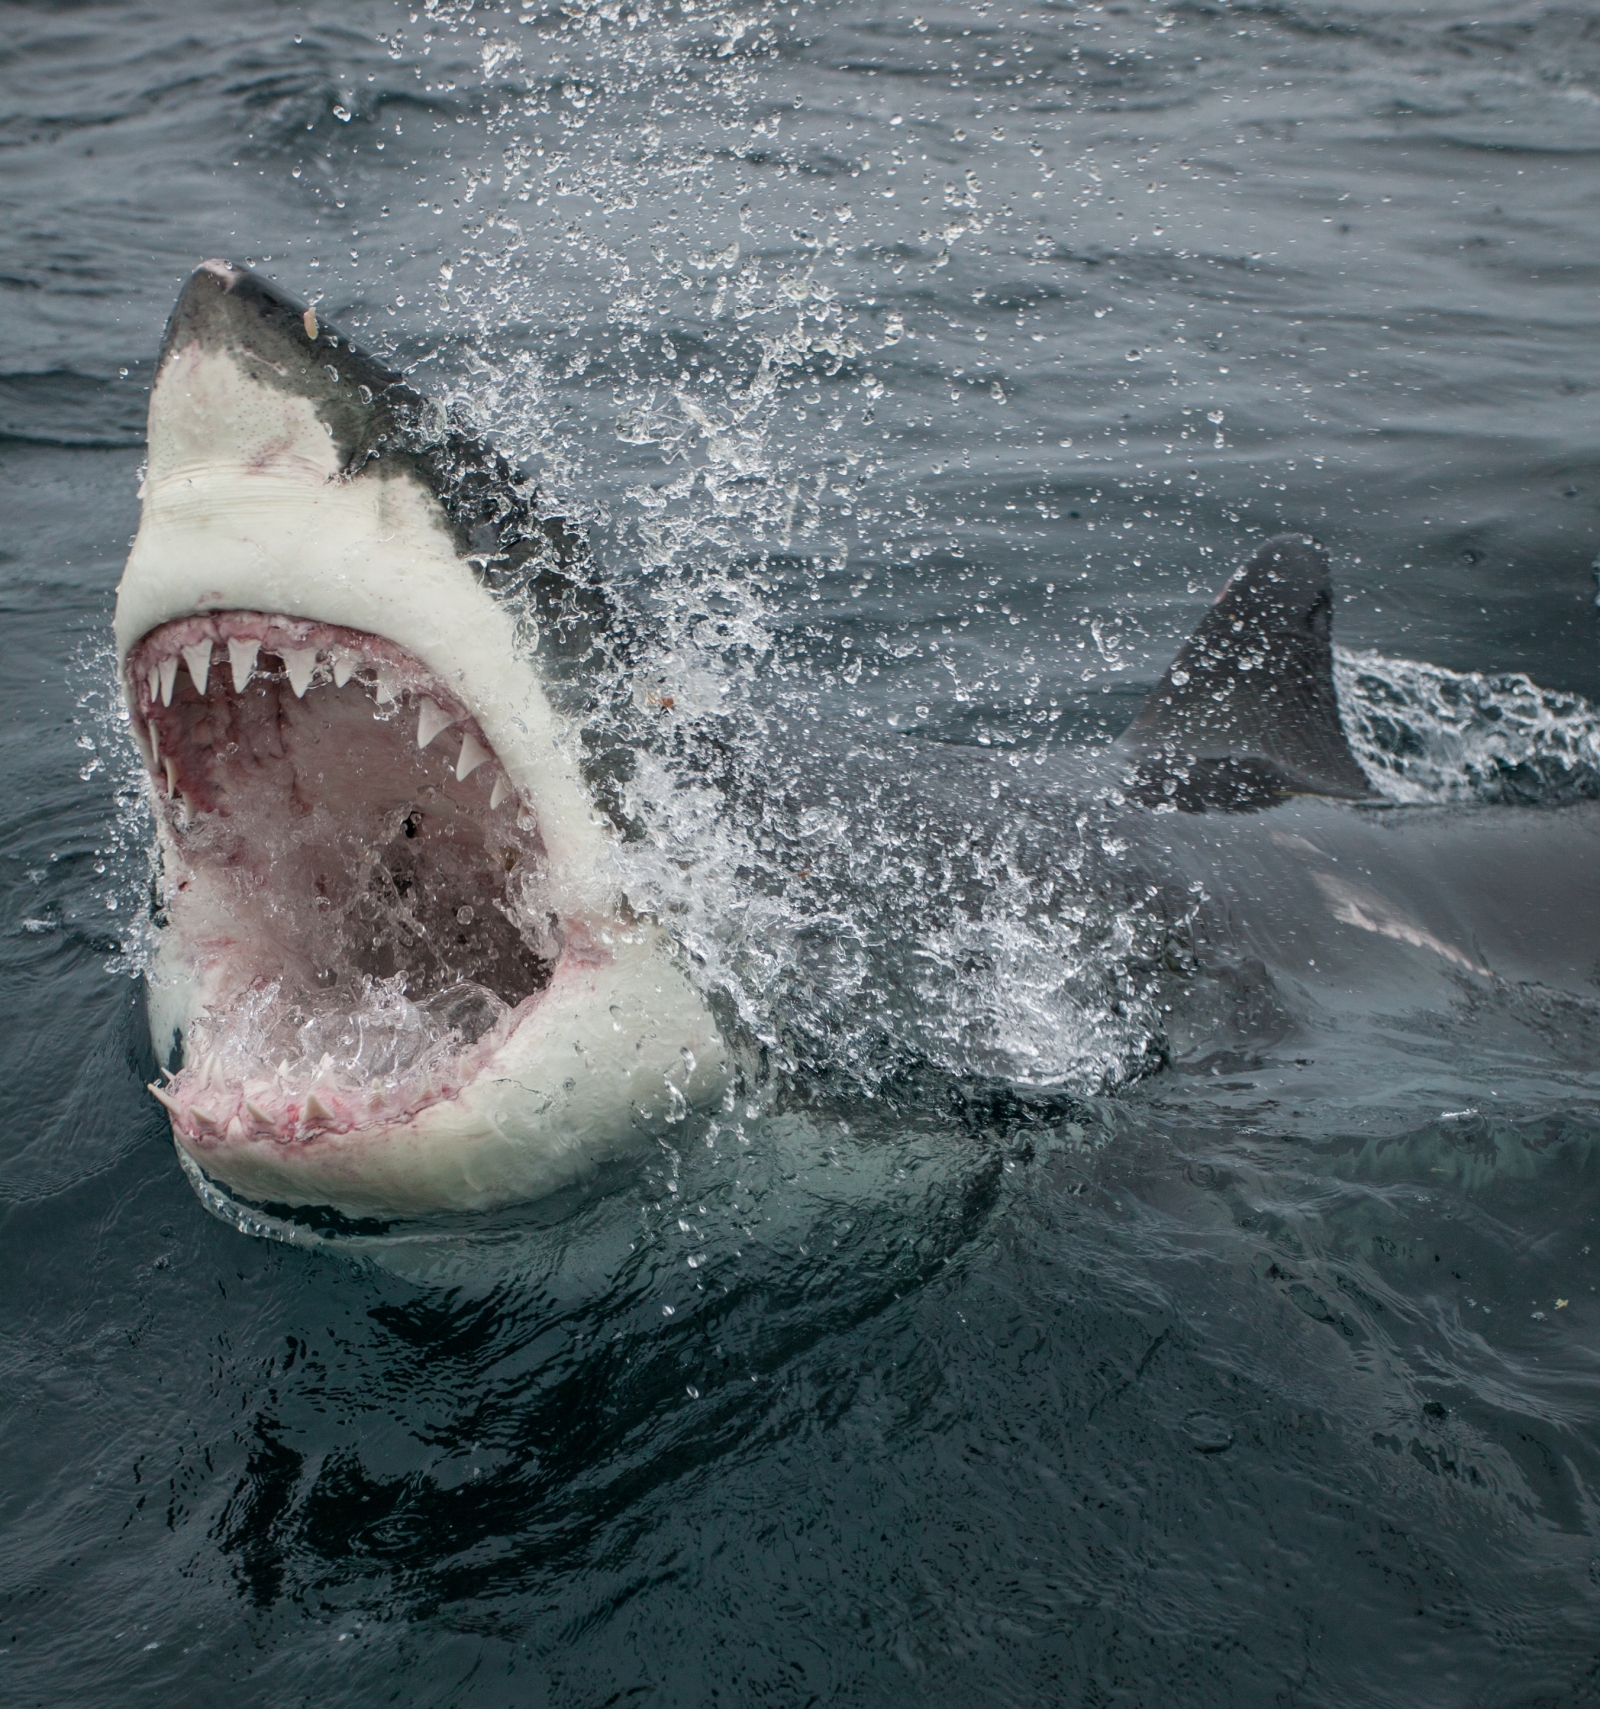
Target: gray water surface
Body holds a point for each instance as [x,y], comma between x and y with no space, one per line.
[924,372]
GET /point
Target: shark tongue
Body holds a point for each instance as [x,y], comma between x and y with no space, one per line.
[362,893]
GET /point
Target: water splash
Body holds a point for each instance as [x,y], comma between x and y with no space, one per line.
[127,864]
[375,1038]
[1426,735]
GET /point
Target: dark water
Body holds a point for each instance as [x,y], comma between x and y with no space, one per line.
[953,1369]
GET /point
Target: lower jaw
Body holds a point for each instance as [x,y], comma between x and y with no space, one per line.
[472,1151]
[610,1052]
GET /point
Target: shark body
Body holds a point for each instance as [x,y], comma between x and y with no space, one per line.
[397,970]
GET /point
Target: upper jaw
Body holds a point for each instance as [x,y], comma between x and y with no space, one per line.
[245,645]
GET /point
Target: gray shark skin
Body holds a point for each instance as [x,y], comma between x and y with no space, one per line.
[1300,903]
[1314,874]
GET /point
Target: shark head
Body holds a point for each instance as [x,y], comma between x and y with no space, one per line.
[394,965]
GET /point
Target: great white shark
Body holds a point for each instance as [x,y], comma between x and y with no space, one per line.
[339,633]
[396,967]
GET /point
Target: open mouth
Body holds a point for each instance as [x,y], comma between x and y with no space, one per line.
[361,894]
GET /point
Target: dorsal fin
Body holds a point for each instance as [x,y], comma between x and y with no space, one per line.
[1247,713]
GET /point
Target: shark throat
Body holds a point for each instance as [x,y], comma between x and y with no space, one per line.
[365,895]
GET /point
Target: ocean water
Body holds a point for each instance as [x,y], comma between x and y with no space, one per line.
[921,374]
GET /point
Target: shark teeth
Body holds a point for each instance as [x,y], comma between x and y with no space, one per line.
[473,754]
[298,664]
[161,1097]
[242,660]
[316,1110]
[198,659]
[430,720]
[191,743]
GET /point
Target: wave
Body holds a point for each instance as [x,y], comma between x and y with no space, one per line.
[63,408]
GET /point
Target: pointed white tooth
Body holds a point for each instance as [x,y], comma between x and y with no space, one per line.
[500,791]
[155,682]
[203,1119]
[161,1097]
[473,754]
[155,745]
[242,657]
[299,662]
[198,659]
[234,1129]
[172,776]
[344,666]
[169,677]
[316,1110]
[261,1117]
[430,721]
